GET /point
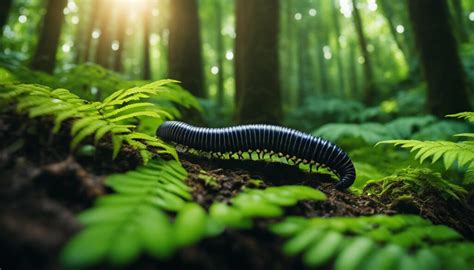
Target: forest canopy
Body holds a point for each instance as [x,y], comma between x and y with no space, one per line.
[108,157]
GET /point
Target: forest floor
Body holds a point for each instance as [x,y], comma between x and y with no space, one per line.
[43,187]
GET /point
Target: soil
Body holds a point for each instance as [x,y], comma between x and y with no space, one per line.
[43,186]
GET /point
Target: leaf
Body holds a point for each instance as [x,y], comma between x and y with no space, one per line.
[302,240]
[88,247]
[152,114]
[354,254]
[190,225]
[156,233]
[322,250]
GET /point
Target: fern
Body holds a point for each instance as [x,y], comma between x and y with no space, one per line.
[257,203]
[375,242]
[414,181]
[111,116]
[461,153]
[122,226]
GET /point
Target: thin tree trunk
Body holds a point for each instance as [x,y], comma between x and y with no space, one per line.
[301,67]
[354,84]
[460,20]
[442,68]
[121,30]
[320,42]
[44,58]
[146,43]
[79,35]
[256,65]
[407,48]
[338,53]
[5,6]
[220,53]
[369,83]
[184,46]
[94,12]
[103,51]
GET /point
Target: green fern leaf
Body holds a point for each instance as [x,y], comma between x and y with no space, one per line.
[152,114]
[184,234]
[463,115]
[82,123]
[89,130]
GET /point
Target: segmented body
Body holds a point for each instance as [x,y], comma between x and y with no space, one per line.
[263,139]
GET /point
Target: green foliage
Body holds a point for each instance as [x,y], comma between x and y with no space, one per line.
[132,221]
[414,181]
[375,242]
[404,127]
[113,116]
[461,153]
[122,226]
[317,111]
[93,82]
[260,203]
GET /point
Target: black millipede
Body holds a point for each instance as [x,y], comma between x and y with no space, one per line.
[292,144]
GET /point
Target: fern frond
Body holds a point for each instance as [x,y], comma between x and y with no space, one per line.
[450,151]
[373,242]
[463,115]
[124,225]
[97,118]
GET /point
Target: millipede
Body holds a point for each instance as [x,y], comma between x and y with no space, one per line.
[271,140]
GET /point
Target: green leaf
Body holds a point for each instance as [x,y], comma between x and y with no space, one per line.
[190,225]
[324,249]
[354,254]
[88,247]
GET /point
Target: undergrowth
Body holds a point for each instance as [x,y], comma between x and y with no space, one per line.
[113,116]
[459,153]
[375,242]
[135,221]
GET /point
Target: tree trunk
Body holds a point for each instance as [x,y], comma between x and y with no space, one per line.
[94,12]
[369,83]
[320,43]
[103,51]
[146,43]
[353,78]
[460,20]
[338,52]
[256,63]
[442,68]
[184,46]
[121,30]
[407,47]
[44,58]
[5,6]
[220,53]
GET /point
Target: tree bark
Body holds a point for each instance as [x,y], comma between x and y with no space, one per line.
[369,83]
[44,58]
[184,46]
[441,64]
[5,6]
[104,49]
[146,43]
[256,63]
[220,53]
